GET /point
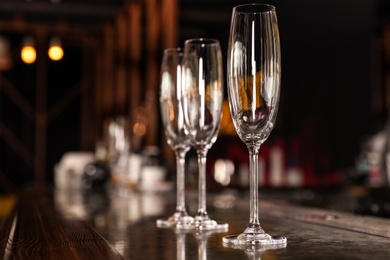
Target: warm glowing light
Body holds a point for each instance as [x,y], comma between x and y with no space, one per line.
[55,51]
[28,54]
[139,129]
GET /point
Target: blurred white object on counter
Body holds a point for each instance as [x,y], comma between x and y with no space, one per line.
[153,178]
[153,172]
[68,172]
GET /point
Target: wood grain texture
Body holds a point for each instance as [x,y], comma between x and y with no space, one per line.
[36,230]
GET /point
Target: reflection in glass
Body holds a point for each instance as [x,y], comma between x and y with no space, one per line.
[254,252]
[181,244]
[202,237]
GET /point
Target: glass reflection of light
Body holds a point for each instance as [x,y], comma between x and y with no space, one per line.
[152,204]
[223,170]
[128,210]
[202,237]
[125,210]
[165,83]
[254,69]
[181,244]
[187,84]
[70,203]
[201,86]
[256,252]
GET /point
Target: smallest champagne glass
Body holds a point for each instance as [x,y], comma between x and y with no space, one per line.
[175,131]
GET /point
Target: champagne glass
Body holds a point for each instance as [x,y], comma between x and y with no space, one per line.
[202,104]
[175,131]
[253,73]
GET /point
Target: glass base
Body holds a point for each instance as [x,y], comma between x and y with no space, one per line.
[255,239]
[179,220]
[205,223]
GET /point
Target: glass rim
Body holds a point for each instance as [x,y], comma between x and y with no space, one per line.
[254,8]
[208,41]
[173,49]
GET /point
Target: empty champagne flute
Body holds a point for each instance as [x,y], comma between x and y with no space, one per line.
[202,104]
[175,131]
[253,73]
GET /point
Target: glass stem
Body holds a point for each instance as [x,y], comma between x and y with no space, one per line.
[254,223]
[181,246]
[180,183]
[202,182]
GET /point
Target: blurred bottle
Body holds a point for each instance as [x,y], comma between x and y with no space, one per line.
[117,157]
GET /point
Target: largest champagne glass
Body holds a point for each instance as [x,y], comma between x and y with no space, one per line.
[175,131]
[202,105]
[253,73]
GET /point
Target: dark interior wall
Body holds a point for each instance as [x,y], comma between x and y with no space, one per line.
[326,68]
[326,79]
[19,111]
[327,47]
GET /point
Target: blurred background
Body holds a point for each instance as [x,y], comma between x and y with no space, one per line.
[333,116]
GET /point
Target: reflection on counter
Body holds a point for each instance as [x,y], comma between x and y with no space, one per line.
[94,202]
[254,252]
[82,226]
[119,218]
[128,223]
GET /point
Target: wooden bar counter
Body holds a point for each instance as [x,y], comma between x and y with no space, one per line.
[54,224]
[37,230]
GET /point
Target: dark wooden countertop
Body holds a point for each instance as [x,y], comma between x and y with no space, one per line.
[53,224]
[36,229]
